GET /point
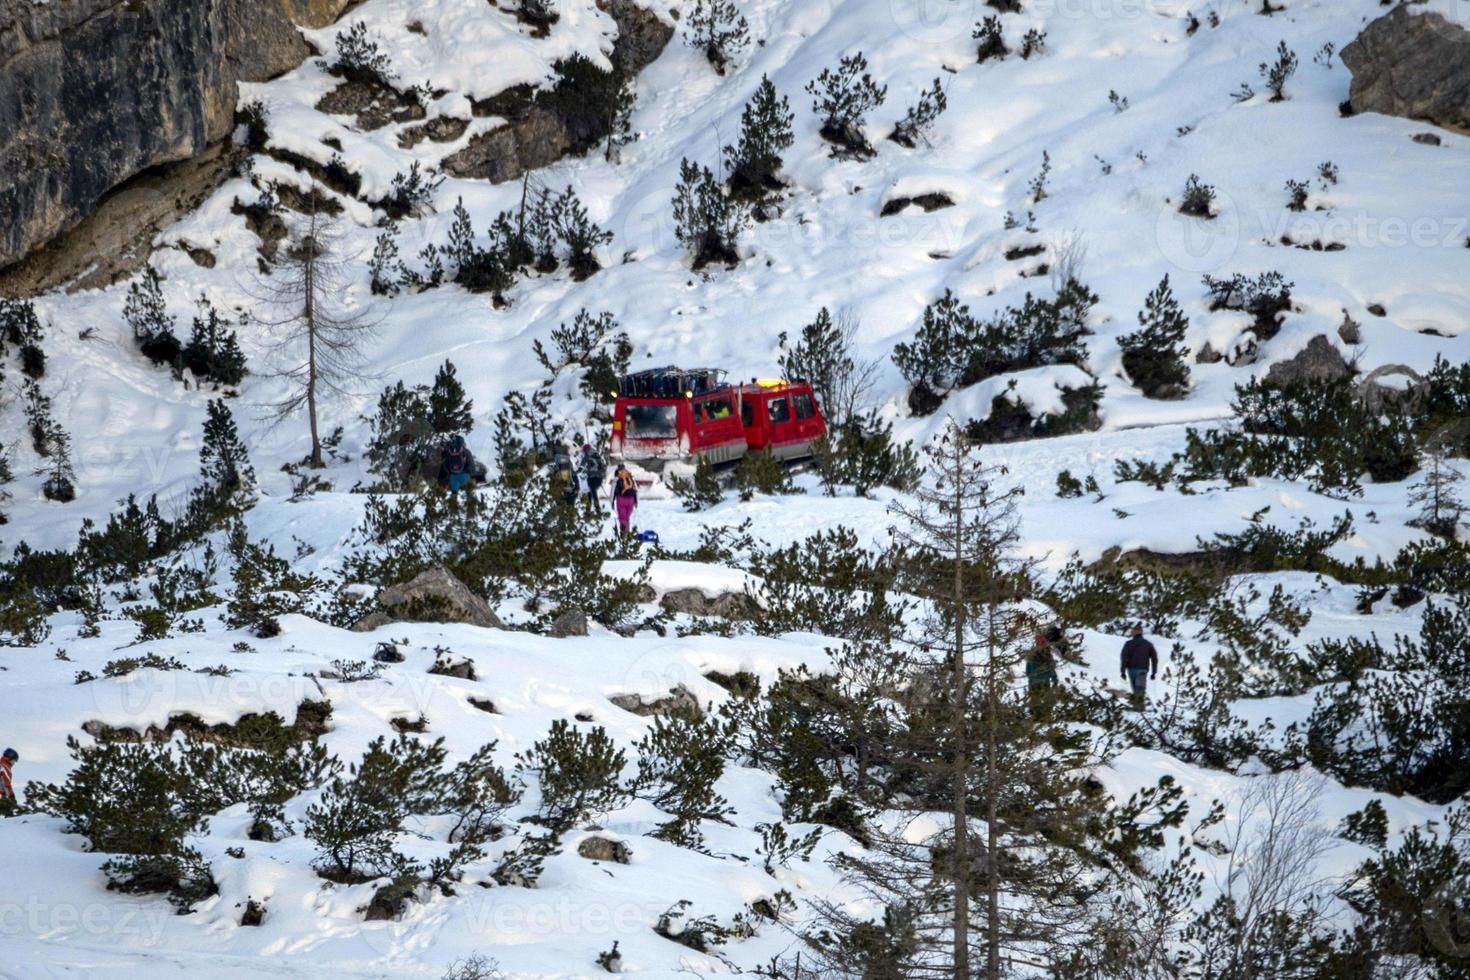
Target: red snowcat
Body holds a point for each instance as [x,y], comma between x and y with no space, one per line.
[670,414]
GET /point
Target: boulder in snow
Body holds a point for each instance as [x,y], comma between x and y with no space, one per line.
[1414,64]
[1320,360]
[434,596]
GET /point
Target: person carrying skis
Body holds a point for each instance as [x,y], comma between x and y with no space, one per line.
[458,466]
[594,472]
[1138,657]
[625,498]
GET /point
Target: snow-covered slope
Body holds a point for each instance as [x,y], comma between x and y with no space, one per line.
[1398,209]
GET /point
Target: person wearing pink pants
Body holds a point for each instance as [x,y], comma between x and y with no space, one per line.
[625,498]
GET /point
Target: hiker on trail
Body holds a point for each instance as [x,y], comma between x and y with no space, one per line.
[1041,662]
[564,475]
[625,497]
[1139,656]
[458,467]
[594,472]
[7,777]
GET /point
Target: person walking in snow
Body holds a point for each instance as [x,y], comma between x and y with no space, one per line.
[7,774]
[564,475]
[594,472]
[1138,659]
[1041,666]
[625,498]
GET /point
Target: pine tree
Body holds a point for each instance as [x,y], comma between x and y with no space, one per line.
[719,29]
[213,350]
[1009,869]
[843,98]
[1437,496]
[820,355]
[147,313]
[450,412]
[61,479]
[706,221]
[402,435]
[21,328]
[1153,355]
[579,775]
[935,361]
[765,134]
[582,235]
[384,265]
[702,490]
[224,462]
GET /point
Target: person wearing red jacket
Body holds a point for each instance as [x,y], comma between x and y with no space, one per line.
[7,777]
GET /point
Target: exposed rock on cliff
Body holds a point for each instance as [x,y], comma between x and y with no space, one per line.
[1415,65]
[134,85]
[544,125]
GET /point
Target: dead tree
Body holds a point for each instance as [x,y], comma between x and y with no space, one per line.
[317,341]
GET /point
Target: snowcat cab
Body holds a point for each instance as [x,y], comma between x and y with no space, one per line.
[671,414]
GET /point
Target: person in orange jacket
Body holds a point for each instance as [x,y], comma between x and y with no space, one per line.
[7,774]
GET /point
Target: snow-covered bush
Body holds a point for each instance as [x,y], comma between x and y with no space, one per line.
[843,98]
[861,452]
[594,344]
[918,122]
[147,313]
[1152,355]
[1199,198]
[707,221]
[213,351]
[679,762]
[754,162]
[1279,72]
[719,29]
[360,59]
[1265,297]
[992,43]
[579,775]
[21,328]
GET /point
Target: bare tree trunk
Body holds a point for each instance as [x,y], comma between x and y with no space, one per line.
[992,834]
[962,760]
[309,315]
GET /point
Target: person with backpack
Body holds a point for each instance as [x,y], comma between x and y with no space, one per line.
[594,472]
[458,466]
[1041,666]
[7,774]
[1138,657]
[625,498]
[564,475]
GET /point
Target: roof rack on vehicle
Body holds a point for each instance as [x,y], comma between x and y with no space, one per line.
[670,382]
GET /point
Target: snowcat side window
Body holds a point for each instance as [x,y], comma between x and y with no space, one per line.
[652,421]
[719,409]
[780,411]
[747,413]
[804,407]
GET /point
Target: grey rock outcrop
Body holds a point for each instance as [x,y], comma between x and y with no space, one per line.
[680,702]
[604,849]
[434,596]
[540,129]
[1415,65]
[1320,360]
[93,92]
[727,605]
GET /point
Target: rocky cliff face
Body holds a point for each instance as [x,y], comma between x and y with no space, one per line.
[1415,65]
[93,92]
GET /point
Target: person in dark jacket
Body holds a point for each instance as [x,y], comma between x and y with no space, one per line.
[1041,661]
[458,467]
[594,472]
[1138,660]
